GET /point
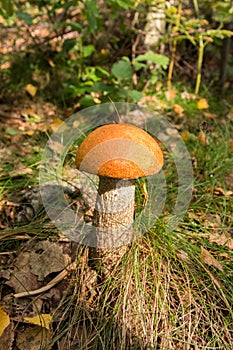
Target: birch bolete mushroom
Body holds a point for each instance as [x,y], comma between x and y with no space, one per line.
[118,154]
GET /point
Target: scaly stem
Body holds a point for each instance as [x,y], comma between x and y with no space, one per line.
[113,219]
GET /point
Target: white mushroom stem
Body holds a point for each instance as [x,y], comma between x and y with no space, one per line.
[113,219]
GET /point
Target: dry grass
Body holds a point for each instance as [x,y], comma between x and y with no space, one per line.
[161,296]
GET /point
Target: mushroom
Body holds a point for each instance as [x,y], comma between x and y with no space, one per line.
[118,154]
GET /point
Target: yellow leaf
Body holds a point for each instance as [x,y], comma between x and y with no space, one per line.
[178,109]
[4,320]
[30,132]
[42,320]
[202,104]
[55,124]
[31,89]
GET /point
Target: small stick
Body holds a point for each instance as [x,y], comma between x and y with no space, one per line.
[51,284]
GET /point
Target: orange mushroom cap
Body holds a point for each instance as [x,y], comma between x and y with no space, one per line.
[121,151]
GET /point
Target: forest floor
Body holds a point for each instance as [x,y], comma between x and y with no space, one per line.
[169,291]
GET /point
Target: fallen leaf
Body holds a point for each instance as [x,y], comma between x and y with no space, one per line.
[55,124]
[210,115]
[170,94]
[219,191]
[46,257]
[19,169]
[51,63]
[178,109]
[161,105]
[30,132]
[202,138]
[230,144]
[31,89]
[21,278]
[188,96]
[187,136]
[208,259]
[42,320]
[230,114]
[202,104]
[4,320]
[221,239]
[5,65]
[33,338]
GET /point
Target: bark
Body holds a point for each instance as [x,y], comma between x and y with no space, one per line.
[113,219]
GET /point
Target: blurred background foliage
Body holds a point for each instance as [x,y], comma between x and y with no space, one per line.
[82,52]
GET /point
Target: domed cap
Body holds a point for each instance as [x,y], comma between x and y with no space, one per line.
[121,151]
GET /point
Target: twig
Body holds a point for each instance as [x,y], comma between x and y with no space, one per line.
[51,284]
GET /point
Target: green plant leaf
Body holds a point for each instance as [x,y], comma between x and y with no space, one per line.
[134,95]
[124,4]
[102,71]
[162,60]
[122,70]
[88,50]
[139,65]
[87,101]
[25,17]
[75,26]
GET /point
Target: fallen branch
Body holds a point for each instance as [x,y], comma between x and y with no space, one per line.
[51,284]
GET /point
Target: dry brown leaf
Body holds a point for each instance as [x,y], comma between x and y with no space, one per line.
[46,257]
[170,94]
[219,191]
[178,110]
[19,169]
[210,115]
[51,63]
[21,278]
[209,259]
[4,320]
[188,96]
[222,239]
[58,123]
[33,338]
[31,89]
[187,136]
[202,104]
[202,138]
[42,320]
